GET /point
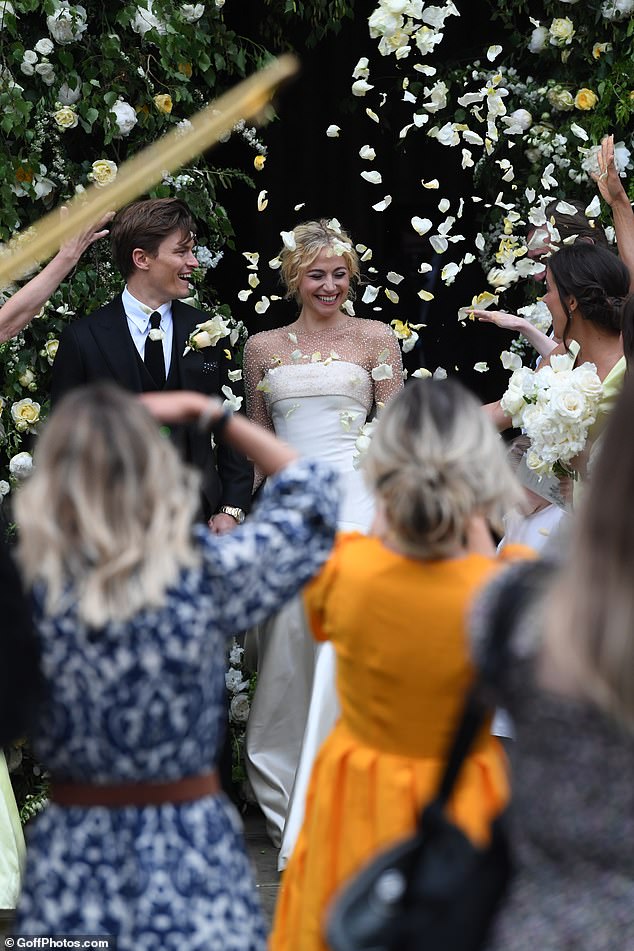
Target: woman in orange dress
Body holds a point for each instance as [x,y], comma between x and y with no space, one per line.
[395,606]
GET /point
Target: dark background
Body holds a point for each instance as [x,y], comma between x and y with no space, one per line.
[304,165]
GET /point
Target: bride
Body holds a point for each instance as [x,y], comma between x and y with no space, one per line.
[315,383]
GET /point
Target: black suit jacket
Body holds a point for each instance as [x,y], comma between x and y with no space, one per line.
[100,347]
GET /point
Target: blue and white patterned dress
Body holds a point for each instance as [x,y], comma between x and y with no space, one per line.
[144,701]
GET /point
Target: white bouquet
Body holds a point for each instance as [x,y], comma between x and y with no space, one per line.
[555,407]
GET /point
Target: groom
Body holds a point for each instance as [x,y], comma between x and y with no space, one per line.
[138,341]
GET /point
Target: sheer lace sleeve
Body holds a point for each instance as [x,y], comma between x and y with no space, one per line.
[254,370]
[385,349]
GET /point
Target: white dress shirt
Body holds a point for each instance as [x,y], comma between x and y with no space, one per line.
[138,317]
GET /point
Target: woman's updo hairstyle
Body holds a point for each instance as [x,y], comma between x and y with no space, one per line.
[577,226]
[598,280]
[435,461]
[311,238]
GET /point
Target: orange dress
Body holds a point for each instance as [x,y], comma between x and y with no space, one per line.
[398,626]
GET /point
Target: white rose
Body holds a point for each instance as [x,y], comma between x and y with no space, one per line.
[239,708]
[522,118]
[50,350]
[46,72]
[20,465]
[67,96]
[512,403]
[67,23]
[588,383]
[538,39]
[145,20]
[561,31]
[235,654]
[44,47]
[615,9]
[192,11]
[569,403]
[103,172]
[66,118]
[25,414]
[5,488]
[125,117]
[29,56]
[234,681]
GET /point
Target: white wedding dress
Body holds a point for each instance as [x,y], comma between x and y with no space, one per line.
[318,409]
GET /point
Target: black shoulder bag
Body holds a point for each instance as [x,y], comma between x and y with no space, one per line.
[436,891]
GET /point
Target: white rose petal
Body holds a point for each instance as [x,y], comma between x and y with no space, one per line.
[262,305]
[493,52]
[382,372]
[370,294]
[394,278]
[421,225]
[481,367]
[288,237]
[375,178]
[361,87]
[333,131]
[367,153]
[382,205]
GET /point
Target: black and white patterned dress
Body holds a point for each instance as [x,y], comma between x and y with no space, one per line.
[144,701]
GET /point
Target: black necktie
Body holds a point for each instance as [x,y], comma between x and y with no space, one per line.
[153,354]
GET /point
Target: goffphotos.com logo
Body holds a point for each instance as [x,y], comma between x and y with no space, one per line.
[83,942]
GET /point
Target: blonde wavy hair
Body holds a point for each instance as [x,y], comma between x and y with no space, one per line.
[590,610]
[435,461]
[106,516]
[311,238]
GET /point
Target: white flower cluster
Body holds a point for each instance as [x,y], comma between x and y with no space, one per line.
[239,705]
[67,23]
[398,22]
[206,258]
[555,407]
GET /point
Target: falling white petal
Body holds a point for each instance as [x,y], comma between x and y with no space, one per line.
[493,52]
[361,87]
[372,115]
[382,205]
[262,306]
[244,295]
[481,367]
[394,278]
[367,153]
[578,131]
[382,372]
[333,131]
[370,294]
[262,201]
[391,295]
[375,178]
[438,243]
[288,237]
[421,225]
[434,183]
[594,208]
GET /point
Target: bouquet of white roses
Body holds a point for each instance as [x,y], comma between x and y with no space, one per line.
[555,407]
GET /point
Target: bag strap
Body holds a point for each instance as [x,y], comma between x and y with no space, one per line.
[508,607]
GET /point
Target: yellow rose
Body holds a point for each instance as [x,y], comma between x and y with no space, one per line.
[599,48]
[66,118]
[103,172]
[586,99]
[50,350]
[163,103]
[259,161]
[25,414]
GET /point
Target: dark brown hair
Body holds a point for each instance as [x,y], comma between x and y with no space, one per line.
[596,278]
[145,224]
[579,225]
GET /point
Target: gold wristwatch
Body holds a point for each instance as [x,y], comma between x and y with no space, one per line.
[234,512]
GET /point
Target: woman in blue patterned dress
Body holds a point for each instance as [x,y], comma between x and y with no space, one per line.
[133,608]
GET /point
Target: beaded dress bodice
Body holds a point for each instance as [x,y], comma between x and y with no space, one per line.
[317,390]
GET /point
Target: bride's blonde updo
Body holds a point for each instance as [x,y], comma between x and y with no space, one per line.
[311,237]
[435,462]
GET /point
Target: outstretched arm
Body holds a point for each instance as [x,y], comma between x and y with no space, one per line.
[612,191]
[540,341]
[25,303]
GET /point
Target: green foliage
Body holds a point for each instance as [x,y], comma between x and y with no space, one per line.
[318,17]
[83,88]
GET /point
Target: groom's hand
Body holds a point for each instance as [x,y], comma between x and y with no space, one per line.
[222,524]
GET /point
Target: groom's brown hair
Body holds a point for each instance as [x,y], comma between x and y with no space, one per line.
[145,224]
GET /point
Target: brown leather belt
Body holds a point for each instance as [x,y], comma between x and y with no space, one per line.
[117,795]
